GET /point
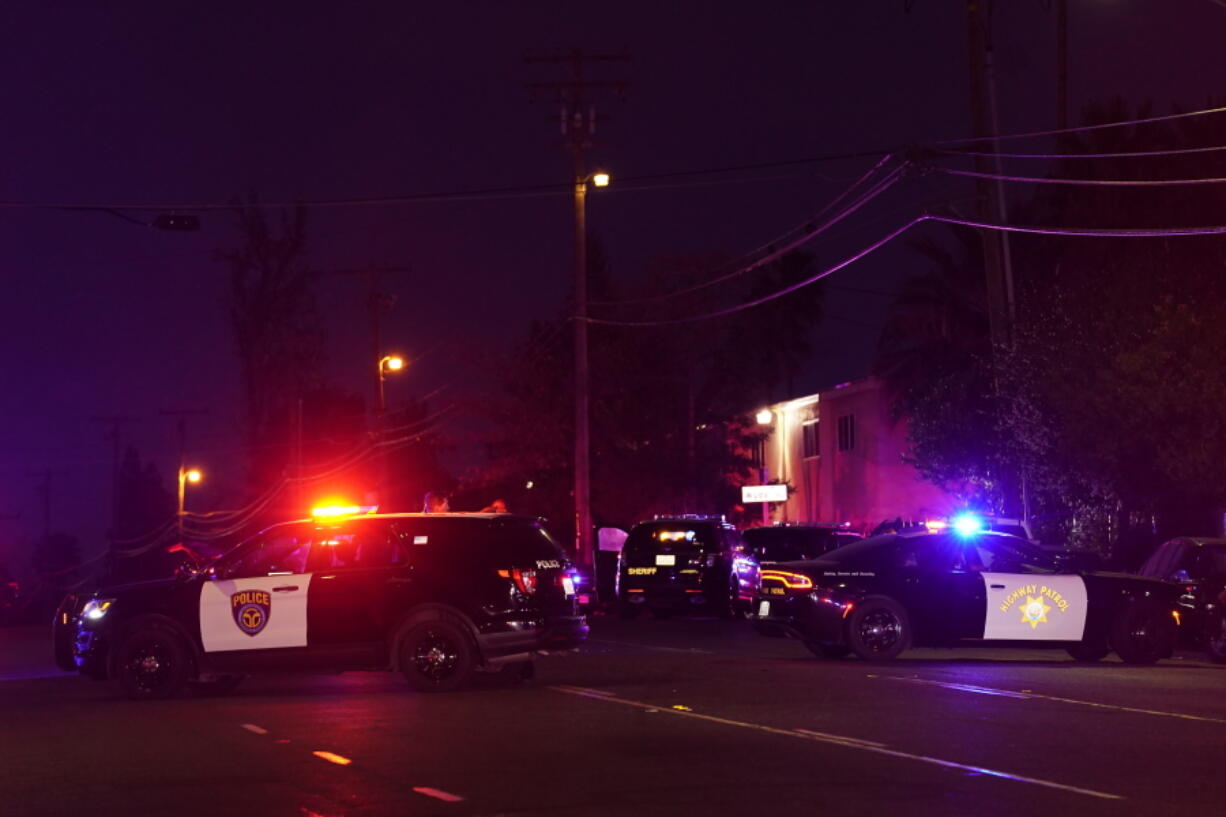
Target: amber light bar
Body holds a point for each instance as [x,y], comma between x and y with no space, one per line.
[792,581]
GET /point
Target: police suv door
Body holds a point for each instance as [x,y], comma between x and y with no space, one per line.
[257,598]
[1027,602]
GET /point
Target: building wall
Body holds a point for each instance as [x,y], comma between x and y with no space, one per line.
[862,484]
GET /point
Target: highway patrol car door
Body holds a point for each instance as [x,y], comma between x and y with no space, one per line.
[941,588]
[1027,601]
[257,599]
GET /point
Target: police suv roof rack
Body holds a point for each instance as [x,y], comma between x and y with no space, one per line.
[694,517]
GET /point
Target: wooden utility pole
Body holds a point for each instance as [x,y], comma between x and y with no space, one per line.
[578,118]
[990,197]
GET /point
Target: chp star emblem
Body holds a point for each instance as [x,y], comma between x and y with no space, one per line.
[251,610]
[1034,612]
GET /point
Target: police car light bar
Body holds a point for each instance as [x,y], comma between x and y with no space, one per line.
[333,511]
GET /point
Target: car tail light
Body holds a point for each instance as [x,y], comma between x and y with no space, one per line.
[792,581]
[525,580]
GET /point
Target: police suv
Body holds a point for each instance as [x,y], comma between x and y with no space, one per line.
[435,597]
[686,563]
[879,596]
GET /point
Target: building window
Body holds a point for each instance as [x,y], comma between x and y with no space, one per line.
[812,446]
[847,432]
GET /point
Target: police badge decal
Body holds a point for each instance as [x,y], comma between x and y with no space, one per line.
[251,609]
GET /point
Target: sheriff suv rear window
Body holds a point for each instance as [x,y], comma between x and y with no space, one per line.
[673,536]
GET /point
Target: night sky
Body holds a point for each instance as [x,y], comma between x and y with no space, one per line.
[123,103]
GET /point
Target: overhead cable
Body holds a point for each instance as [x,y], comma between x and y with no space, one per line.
[1079,129]
[789,241]
[1081,182]
[1158,232]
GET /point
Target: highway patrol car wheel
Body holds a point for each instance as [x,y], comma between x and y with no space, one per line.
[1143,633]
[436,656]
[878,629]
[151,663]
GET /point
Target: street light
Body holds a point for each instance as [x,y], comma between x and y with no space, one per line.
[186,475]
[387,363]
[583,488]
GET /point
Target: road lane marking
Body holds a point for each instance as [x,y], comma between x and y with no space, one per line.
[842,739]
[438,794]
[1056,698]
[258,730]
[604,693]
[339,760]
[846,742]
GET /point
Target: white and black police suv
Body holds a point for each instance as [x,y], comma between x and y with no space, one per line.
[967,586]
[435,597]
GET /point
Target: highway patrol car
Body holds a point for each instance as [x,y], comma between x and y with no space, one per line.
[879,596]
[434,596]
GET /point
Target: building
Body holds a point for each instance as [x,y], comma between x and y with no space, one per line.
[842,457]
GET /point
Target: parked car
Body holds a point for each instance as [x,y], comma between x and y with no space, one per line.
[790,543]
[687,563]
[879,596]
[1198,565]
[435,597]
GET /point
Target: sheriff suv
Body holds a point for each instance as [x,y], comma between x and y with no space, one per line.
[435,597]
[686,563]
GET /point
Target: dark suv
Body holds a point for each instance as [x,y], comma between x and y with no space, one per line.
[435,597]
[686,564]
[1198,565]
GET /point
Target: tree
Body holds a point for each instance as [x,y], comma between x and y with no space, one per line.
[1108,401]
[271,304]
[669,403]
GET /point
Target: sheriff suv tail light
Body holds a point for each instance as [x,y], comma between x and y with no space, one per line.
[792,581]
[525,580]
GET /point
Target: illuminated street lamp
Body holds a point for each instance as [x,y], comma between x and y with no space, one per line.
[387,363]
[186,475]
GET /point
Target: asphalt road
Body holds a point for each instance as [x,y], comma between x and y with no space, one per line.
[652,717]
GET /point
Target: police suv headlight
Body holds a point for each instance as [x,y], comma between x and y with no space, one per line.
[95,609]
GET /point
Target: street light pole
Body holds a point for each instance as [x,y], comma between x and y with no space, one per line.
[583,495]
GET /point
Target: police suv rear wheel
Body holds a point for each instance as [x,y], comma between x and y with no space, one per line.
[878,629]
[1143,633]
[151,663]
[436,656]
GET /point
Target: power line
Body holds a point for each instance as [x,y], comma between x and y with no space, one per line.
[1128,154]
[1085,232]
[1081,182]
[788,241]
[1080,129]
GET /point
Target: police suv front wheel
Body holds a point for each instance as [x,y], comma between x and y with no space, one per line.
[436,656]
[152,662]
